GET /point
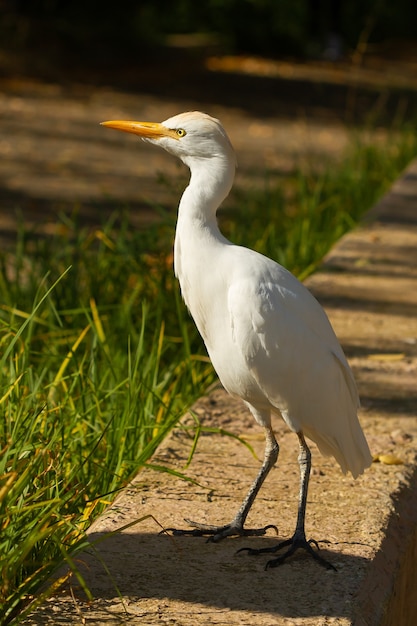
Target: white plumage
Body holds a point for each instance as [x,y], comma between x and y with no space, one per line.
[269,340]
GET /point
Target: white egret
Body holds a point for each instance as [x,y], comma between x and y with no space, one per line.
[268,338]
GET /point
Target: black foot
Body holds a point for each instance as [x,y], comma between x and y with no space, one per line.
[217,533]
[295,543]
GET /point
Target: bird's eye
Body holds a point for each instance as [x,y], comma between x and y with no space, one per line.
[181,132]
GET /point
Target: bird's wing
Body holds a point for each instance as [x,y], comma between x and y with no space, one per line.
[275,320]
[295,358]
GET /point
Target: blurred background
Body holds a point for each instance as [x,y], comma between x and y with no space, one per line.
[98,33]
[288,78]
[98,357]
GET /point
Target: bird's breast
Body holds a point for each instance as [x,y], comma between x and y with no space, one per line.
[207,304]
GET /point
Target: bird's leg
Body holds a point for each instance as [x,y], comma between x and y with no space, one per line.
[298,540]
[236,526]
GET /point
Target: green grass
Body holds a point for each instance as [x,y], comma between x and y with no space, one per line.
[96,367]
[99,359]
[297,222]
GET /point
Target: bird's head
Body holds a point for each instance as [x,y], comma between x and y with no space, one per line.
[191,136]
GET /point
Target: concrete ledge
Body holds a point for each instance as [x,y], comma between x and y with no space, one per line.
[367,528]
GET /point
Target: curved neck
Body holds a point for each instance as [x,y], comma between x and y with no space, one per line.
[210,183]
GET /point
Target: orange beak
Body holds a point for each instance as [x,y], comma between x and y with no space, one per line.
[147,130]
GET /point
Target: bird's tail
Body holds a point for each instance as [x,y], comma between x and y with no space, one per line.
[350,449]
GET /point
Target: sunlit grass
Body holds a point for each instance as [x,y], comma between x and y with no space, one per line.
[297,222]
[99,359]
[91,382]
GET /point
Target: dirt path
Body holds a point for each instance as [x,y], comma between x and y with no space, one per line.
[55,157]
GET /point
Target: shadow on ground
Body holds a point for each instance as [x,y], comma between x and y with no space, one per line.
[149,566]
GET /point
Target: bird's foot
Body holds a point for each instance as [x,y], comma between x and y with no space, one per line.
[297,542]
[217,533]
